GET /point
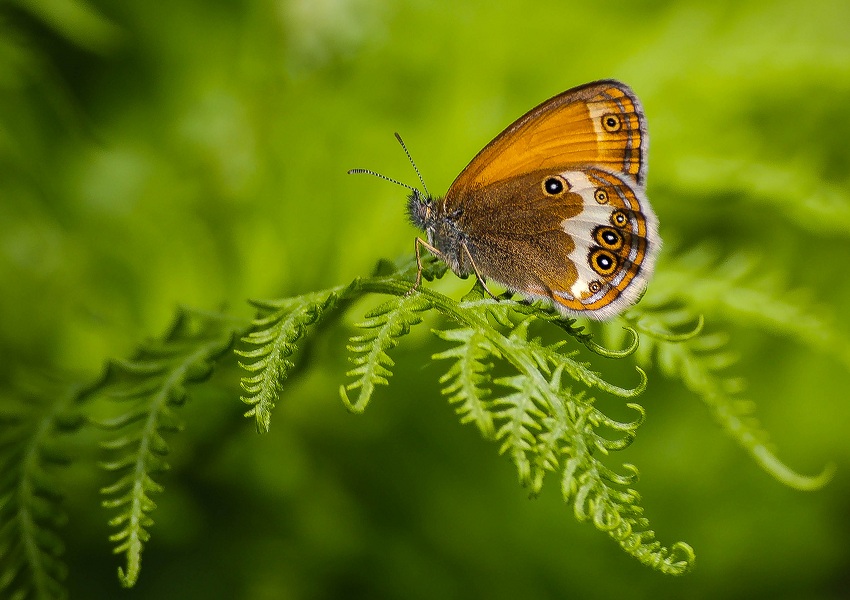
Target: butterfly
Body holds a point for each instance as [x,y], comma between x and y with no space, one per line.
[553,208]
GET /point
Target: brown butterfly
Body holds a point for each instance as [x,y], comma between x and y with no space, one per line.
[554,207]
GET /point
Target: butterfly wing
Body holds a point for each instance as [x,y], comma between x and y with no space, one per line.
[590,248]
[615,245]
[600,124]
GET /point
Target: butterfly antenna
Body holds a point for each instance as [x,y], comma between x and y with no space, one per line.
[415,168]
[384,177]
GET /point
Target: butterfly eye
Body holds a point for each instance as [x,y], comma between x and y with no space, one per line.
[601,196]
[603,262]
[611,123]
[608,237]
[554,186]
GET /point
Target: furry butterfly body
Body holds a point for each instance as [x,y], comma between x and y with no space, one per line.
[554,207]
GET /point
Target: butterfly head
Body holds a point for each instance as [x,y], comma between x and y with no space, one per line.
[422,209]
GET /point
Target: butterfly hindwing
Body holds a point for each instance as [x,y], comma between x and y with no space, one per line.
[615,241]
[590,248]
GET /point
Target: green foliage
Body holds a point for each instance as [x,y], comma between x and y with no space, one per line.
[534,413]
[274,336]
[539,421]
[544,426]
[148,388]
[34,417]
[384,326]
[466,383]
[701,360]
[193,152]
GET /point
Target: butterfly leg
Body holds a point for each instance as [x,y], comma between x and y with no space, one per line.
[416,244]
[477,274]
[420,242]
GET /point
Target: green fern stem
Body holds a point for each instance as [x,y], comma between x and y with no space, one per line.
[273,340]
[135,520]
[465,383]
[461,313]
[384,326]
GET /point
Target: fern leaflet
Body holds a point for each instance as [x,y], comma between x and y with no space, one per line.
[384,325]
[466,383]
[273,340]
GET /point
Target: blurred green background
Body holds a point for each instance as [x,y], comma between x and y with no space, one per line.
[194,153]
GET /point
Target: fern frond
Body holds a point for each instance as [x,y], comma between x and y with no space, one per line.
[148,387]
[604,497]
[273,339]
[281,324]
[544,426]
[700,362]
[733,289]
[384,326]
[31,498]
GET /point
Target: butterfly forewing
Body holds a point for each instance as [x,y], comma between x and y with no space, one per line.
[600,124]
